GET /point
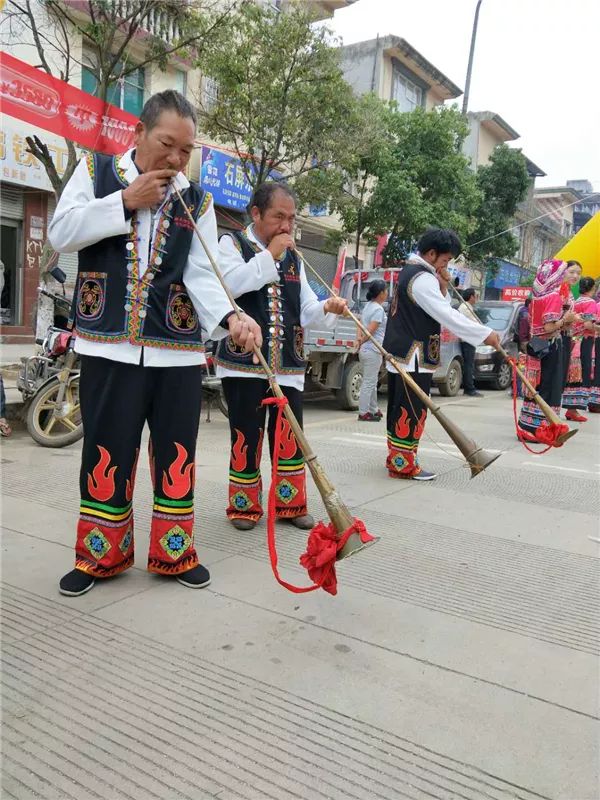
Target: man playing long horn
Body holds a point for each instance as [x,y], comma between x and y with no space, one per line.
[420,306]
[268,280]
[145,295]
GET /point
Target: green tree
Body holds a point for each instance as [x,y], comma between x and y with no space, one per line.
[347,185]
[503,184]
[423,179]
[282,101]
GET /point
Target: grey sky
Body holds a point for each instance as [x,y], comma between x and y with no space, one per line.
[536,64]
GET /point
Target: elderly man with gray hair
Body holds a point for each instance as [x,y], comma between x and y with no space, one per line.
[145,300]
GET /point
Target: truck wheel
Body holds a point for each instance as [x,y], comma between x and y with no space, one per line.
[451,384]
[348,393]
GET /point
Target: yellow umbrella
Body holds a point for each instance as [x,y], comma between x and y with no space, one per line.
[585,248]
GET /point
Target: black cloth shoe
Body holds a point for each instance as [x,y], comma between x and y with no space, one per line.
[305,522]
[243,524]
[474,393]
[75,583]
[196,578]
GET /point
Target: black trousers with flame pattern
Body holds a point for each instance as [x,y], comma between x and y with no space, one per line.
[117,399]
[247,419]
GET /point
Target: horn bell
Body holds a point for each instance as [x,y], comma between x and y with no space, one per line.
[564,437]
[479,460]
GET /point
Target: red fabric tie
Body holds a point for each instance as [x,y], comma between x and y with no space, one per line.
[323,543]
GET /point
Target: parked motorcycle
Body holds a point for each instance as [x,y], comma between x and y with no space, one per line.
[49,383]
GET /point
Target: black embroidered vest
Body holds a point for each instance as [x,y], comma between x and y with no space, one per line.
[112,302]
[409,328]
[276,308]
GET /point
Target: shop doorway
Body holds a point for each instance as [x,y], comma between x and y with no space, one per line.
[10,253]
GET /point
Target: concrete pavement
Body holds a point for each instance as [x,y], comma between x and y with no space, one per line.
[459,659]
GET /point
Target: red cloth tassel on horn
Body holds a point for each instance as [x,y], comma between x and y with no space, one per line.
[323,543]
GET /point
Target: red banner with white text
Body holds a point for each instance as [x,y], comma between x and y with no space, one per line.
[34,96]
[516,293]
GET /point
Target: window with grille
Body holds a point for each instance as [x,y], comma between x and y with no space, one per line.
[406,93]
[126,92]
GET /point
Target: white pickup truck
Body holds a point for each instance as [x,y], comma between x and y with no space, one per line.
[331,352]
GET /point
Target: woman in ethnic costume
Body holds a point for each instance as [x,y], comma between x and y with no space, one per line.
[594,399]
[577,391]
[548,319]
[572,276]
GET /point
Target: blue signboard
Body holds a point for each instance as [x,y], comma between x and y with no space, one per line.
[508,275]
[222,174]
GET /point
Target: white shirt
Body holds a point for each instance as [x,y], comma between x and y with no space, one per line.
[81,219]
[428,295]
[242,277]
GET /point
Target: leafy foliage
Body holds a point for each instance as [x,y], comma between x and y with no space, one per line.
[282,100]
[503,184]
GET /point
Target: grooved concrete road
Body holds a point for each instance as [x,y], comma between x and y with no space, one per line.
[459,659]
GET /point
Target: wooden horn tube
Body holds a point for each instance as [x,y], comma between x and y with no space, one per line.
[337,511]
[339,514]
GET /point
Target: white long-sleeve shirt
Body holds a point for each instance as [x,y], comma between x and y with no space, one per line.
[249,276]
[427,295]
[81,219]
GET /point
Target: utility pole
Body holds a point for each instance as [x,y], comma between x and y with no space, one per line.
[470,65]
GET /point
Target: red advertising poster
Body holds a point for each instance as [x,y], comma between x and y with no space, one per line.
[34,96]
[516,293]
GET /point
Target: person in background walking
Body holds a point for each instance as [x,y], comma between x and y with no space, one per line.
[468,351]
[374,319]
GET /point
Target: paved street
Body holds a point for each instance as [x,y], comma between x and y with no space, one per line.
[459,659]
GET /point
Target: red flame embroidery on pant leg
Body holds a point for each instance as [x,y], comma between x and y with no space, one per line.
[131,483]
[101,483]
[259,447]
[152,463]
[418,432]
[403,425]
[287,446]
[239,459]
[179,481]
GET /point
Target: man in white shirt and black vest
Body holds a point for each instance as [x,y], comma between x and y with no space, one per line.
[420,306]
[145,299]
[268,281]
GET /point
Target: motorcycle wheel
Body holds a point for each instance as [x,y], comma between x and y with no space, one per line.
[44,426]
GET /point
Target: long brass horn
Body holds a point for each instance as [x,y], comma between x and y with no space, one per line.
[338,512]
[546,409]
[477,458]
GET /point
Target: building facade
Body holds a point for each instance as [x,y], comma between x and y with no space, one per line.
[27,201]
[587,206]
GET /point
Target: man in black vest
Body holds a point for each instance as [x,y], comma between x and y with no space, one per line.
[268,280]
[421,304]
[145,298]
